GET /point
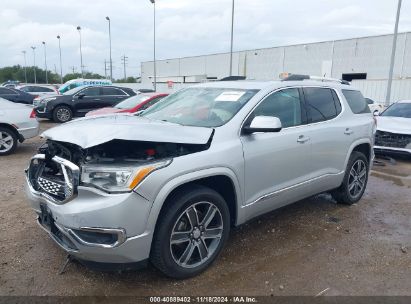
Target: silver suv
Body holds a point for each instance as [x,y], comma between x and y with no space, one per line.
[121,190]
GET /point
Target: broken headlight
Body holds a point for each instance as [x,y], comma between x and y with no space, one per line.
[117,179]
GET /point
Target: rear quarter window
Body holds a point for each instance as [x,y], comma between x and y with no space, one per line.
[356,101]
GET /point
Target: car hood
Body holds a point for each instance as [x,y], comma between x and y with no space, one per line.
[398,125]
[104,111]
[92,131]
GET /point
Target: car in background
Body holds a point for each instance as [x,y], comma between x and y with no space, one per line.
[15,95]
[17,123]
[10,84]
[39,90]
[79,101]
[133,104]
[80,82]
[375,106]
[393,134]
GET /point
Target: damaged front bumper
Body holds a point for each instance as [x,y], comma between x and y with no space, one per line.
[95,226]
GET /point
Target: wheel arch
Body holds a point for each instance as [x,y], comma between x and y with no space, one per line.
[222,180]
[364,146]
[12,128]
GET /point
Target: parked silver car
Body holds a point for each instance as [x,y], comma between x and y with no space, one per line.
[167,186]
[17,123]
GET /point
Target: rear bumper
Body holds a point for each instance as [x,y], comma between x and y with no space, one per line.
[30,132]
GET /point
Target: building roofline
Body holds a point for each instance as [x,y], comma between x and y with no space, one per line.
[279,46]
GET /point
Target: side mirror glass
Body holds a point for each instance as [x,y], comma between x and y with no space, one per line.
[263,124]
[81,95]
[376,113]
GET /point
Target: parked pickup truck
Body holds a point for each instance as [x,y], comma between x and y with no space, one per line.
[166,186]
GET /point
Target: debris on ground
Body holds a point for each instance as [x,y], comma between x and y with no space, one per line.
[403,249]
[322,292]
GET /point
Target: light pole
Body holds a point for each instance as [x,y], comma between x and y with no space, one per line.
[394,47]
[45,60]
[154,53]
[109,37]
[25,66]
[61,65]
[232,39]
[34,63]
[81,54]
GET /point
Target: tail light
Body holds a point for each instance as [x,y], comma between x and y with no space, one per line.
[33,114]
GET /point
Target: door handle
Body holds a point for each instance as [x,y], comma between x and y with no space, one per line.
[348,131]
[302,139]
[96,99]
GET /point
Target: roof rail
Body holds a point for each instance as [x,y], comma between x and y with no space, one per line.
[233,78]
[298,77]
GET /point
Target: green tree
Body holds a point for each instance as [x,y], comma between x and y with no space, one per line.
[16,72]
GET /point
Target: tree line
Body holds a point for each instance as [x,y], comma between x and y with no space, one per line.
[16,73]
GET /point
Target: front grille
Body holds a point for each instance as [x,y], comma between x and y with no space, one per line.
[393,140]
[56,179]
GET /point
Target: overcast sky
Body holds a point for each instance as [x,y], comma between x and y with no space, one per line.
[184,27]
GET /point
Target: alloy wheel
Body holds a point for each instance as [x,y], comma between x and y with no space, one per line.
[63,114]
[357,178]
[6,142]
[196,234]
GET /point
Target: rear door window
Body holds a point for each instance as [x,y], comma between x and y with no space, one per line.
[356,101]
[113,92]
[321,104]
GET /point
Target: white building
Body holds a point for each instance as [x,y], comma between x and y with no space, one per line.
[358,58]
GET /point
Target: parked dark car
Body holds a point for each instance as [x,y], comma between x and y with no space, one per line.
[77,102]
[16,95]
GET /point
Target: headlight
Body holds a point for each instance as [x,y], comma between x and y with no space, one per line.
[113,178]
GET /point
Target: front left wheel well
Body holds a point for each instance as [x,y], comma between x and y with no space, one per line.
[219,183]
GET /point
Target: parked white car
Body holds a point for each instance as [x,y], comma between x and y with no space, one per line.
[39,90]
[375,106]
[17,123]
[394,129]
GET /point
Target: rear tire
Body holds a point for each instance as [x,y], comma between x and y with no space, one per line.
[355,180]
[8,141]
[62,114]
[190,233]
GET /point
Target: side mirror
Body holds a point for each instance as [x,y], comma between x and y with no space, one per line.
[263,124]
[81,95]
[376,113]
[138,113]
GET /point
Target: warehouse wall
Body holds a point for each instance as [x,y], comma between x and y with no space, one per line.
[369,55]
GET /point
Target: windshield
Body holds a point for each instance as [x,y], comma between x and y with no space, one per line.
[132,102]
[398,110]
[200,107]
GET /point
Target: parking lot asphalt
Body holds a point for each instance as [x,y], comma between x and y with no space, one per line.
[309,247]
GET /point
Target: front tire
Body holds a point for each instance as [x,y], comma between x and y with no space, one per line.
[8,141]
[62,114]
[190,233]
[355,180]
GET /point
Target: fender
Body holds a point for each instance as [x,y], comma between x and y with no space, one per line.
[186,178]
[357,143]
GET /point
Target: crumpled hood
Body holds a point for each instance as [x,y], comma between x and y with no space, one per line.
[92,131]
[398,125]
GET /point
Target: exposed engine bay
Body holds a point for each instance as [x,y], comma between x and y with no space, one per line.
[118,151]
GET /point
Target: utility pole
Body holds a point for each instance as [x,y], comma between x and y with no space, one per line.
[81,53]
[232,39]
[55,69]
[25,66]
[109,36]
[105,69]
[124,61]
[61,65]
[45,61]
[73,68]
[394,47]
[34,63]
[154,52]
